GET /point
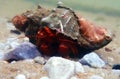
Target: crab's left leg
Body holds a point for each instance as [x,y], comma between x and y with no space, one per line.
[67,49]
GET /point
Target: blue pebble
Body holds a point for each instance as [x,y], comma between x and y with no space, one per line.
[24,51]
[92,60]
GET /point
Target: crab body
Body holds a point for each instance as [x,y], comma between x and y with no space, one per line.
[61,32]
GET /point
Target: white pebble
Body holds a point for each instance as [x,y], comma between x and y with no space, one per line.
[14,44]
[40,60]
[7,47]
[95,77]
[20,76]
[2,46]
[79,68]
[2,54]
[116,71]
[13,62]
[44,77]
[26,39]
[73,77]
[58,67]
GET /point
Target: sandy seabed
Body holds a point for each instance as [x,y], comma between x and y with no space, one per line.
[109,53]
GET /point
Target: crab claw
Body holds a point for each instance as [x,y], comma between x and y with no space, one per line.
[95,35]
[20,22]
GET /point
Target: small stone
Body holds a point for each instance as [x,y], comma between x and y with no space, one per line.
[116,67]
[74,77]
[15,32]
[2,45]
[29,60]
[44,78]
[11,39]
[93,60]
[7,47]
[40,60]
[96,77]
[79,68]
[20,76]
[24,51]
[14,44]
[13,62]
[26,39]
[116,71]
[11,43]
[2,54]
[108,49]
[58,67]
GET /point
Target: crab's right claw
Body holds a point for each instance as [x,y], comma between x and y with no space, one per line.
[20,22]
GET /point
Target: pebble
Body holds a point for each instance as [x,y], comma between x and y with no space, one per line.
[44,78]
[93,60]
[11,43]
[79,68]
[2,54]
[14,44]
[29,60]
[7,47]
[116,71]
[116,67]
[96,77]
[15,32]
[20,76]
[74,77]
[24,51]
[40,60]
[61,68]
[11,39]
[13,62]
[26,39]
[2,45]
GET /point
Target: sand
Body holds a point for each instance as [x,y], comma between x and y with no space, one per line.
[109,53]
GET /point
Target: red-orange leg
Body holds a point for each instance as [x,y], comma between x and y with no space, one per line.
[47,49]
[64,50]
[68,48]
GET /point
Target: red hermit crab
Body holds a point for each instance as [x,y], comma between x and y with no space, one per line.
[61,32]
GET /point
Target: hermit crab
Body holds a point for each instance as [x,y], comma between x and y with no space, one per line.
[60,32]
